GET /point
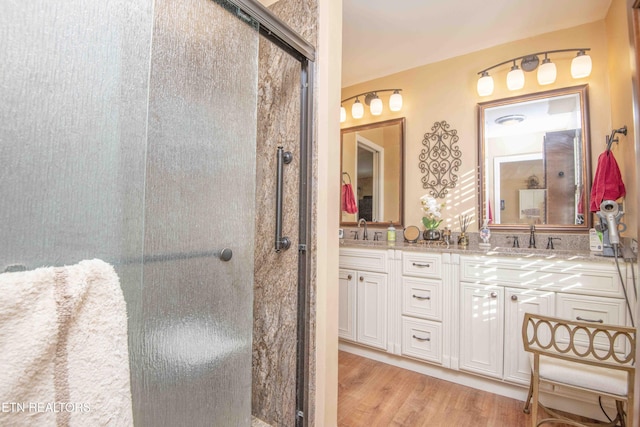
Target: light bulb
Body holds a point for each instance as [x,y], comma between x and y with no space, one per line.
[343,114]
[515,78]
[581,65]
[485,84]
[395,101]
[547,72]
[376,106]
[357,110]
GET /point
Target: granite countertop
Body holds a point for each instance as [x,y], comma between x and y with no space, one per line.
[474,249]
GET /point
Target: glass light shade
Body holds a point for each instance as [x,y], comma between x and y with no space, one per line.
[357,110]
[581,66]
[343,114]
[547,72]
[515,79]
[395,101]
[376,106]
[485,85]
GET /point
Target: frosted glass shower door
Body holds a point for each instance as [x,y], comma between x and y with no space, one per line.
[199,199]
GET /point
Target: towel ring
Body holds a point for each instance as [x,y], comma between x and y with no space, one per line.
[348,176]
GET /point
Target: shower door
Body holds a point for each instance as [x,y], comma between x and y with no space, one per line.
[197,309]
[128,132]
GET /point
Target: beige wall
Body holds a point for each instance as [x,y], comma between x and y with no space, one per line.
[447,91]
[325,232]
[621,89]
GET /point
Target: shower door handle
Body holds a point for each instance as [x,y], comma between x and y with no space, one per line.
[283,158]
[224,254]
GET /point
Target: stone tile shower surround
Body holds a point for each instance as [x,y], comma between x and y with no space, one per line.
[276,275]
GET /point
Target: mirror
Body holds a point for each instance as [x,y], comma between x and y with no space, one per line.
[372,173]
[534,161]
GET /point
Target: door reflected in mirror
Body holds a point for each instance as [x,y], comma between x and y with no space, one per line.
[372,173]
[535,161]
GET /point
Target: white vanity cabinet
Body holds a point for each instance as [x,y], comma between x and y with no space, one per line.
[363,297]
[496,292]
[517,302]
[481,329]
[422,306]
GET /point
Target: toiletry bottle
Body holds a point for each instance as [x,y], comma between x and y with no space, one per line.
[391,233]
[485,234]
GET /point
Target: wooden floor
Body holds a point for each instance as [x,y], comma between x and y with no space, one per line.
[372,393]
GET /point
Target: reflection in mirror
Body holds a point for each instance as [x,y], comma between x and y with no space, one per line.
[372,177]
[534,161]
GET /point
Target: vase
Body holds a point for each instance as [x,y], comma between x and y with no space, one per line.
[431,234]
[463,239]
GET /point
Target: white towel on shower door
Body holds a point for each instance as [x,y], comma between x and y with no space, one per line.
[63,347]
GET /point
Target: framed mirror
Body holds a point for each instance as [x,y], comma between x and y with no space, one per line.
[372,173]
[534,161]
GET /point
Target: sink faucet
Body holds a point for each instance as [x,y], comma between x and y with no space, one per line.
[365,236]
[532,237]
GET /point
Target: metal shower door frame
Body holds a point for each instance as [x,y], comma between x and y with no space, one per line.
[276,31]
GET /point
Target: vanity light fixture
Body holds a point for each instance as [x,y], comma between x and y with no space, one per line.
[547,72]
[580,67]
[515,78]
[374,102]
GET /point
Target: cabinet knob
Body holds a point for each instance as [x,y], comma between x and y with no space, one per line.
[361,279]
[494,295]
[514,297]
[349,277]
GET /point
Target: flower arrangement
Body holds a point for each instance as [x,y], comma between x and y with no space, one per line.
[431,210]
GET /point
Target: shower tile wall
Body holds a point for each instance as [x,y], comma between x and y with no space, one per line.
[276,275]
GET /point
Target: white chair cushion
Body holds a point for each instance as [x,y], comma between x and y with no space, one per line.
[595,378]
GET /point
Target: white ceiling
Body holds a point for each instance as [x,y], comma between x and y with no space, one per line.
[381,37]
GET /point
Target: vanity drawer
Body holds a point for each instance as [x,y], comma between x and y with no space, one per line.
[609,311]
[422,298]
[364,259]
[422,339]
[581,277]
[422,265]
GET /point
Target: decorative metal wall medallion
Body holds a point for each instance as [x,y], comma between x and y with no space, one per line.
[440,159]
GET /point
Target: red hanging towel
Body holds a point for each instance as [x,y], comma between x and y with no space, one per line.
[349,204]
[607,182]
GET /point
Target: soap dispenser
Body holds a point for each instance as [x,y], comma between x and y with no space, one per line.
[391,232]
[485,235]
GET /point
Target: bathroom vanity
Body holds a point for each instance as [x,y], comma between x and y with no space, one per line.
[456,314]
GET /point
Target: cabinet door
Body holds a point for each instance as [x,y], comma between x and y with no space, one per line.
[347,304]
[481,337]
[371,310]
[517,302]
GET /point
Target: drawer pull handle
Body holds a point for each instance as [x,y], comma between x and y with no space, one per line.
[494,295]
[349,277]
[514,297]
[420,297]
[419,264]
[582,319]
[422,339]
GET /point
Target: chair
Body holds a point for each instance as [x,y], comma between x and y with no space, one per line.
[593,357]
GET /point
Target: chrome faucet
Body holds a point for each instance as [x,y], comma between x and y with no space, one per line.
[532,237]
[365,236]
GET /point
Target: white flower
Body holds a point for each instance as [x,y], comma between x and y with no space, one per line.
[431,210]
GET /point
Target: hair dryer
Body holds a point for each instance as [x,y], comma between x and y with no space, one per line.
[610,213]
